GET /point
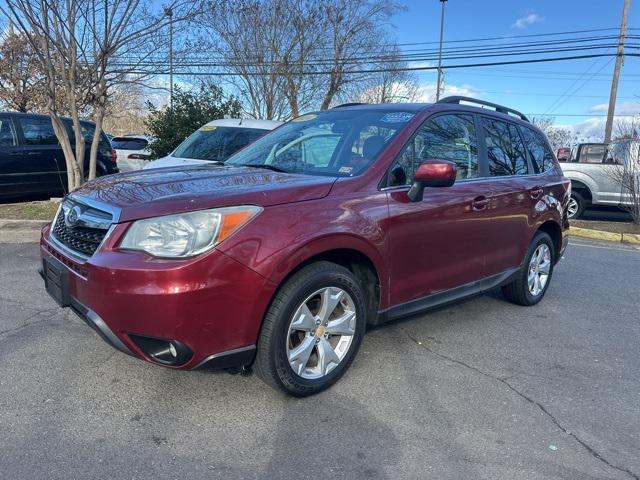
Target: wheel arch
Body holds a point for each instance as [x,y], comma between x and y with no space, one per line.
[583,187]
[553,229]
[349,251]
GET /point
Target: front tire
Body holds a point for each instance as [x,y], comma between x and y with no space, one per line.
[312,330]
[534,276]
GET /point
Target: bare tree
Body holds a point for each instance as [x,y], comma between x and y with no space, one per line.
[291,55]
[82,46]
[22,78]
[391,84]
[355,29]
[558,137]
[623,159]
[250,36]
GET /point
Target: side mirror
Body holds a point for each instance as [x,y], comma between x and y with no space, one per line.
[431,173]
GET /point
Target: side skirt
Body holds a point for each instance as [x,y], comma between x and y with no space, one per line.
[445,297]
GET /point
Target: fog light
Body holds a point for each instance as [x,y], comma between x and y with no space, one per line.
[172,350]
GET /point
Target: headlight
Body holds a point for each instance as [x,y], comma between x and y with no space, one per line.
[186,234]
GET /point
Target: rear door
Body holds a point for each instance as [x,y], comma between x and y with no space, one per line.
[593,163]
[438,243]
[42,155]
[12,176]
[510,206]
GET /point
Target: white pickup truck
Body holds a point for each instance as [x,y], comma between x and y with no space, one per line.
[593,180]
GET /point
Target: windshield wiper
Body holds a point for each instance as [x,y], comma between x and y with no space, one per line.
[265,166]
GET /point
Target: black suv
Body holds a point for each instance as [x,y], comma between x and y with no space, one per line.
[31,159]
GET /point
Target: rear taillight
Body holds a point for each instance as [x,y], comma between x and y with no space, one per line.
[114,156]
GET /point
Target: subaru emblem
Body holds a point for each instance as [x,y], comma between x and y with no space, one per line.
[72,216]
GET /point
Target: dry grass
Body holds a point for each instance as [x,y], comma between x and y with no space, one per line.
[29,210]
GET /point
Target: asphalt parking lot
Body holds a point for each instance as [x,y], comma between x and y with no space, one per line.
[480,390]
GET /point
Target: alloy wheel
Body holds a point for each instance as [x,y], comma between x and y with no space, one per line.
[539,269]
[573,207]
[321,332]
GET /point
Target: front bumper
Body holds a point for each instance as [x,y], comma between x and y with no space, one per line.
[212,304]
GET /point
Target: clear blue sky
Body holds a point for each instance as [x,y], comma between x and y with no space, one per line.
[531,88]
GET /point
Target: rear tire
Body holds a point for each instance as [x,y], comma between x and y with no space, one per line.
[577,205]
[312,330]
[533,278]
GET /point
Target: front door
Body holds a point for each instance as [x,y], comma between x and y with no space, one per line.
[440,242]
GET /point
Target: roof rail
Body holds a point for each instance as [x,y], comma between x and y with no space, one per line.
[499,108]
[353,104]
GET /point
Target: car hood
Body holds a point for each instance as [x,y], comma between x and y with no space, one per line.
[174,162]
[165,191]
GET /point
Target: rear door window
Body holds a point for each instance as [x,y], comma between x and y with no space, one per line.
[541,155]
[505,149]
[7,133]
[126,143]
[38,131]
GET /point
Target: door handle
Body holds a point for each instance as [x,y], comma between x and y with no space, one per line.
[536,193]
[480,203]
[15,153]
[34,152]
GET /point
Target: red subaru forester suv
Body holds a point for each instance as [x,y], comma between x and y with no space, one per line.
[280,257]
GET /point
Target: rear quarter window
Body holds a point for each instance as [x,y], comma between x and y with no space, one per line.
[541,156]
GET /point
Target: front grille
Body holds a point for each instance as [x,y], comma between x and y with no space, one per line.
[81,239]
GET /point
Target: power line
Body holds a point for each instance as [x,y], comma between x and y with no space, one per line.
[398,69]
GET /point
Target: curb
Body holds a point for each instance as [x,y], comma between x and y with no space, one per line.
[20,231]
[607,236]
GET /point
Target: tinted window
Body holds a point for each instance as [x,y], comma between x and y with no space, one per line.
[126,143]
[541,156]
[38,131]
[446,137]
[337,142]
[216,143]
[505,149]
[7,133]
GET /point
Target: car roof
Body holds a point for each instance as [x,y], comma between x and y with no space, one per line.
[135,137]
[417,107]
[245,123]
[40,115]
[405,107]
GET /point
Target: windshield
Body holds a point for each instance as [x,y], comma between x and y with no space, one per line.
[335,142]
[216,143]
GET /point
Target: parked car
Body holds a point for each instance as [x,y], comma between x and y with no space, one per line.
[280,257]
[132,151]
[592,182]
[563,154]
[215,142]
[32,161]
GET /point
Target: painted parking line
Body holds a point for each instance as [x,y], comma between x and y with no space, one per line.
[605,247]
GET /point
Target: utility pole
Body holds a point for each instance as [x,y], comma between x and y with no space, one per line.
[442,2]
[616,72]
[169,13]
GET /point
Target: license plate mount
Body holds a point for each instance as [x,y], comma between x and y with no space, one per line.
[56,280]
